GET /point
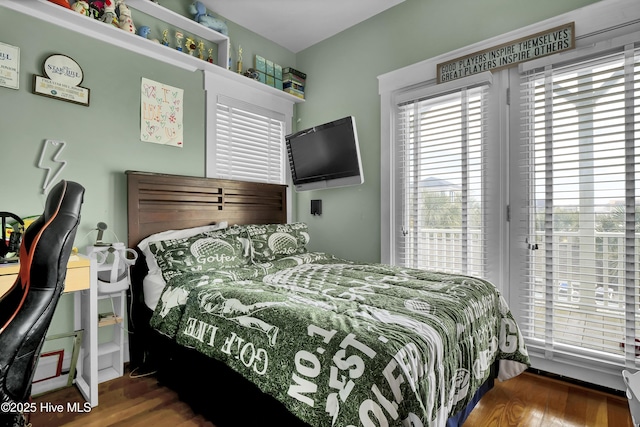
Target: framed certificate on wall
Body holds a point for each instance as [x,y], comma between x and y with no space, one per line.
[9,66]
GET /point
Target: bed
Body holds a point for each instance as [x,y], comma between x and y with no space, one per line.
[249,327]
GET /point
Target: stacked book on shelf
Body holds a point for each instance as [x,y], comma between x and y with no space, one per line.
[293,81]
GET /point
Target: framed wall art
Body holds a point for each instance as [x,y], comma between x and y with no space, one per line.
[161,113]
[9,66]
[61,80]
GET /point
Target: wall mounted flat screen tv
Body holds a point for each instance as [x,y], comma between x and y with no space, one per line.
[325,156]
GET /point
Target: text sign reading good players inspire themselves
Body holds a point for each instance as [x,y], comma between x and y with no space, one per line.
[508,54]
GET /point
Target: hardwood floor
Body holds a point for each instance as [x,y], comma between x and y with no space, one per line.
[532,400]
[127,401]
[528,400]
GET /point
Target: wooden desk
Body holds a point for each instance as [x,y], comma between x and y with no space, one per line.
[78,275]
[78,279]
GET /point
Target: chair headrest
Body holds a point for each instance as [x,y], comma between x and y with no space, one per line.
[52,232]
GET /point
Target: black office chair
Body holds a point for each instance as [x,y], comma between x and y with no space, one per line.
[27,308]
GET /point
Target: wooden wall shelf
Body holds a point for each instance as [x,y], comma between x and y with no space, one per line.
[73,21]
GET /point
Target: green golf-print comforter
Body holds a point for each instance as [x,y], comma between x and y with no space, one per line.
[347,344]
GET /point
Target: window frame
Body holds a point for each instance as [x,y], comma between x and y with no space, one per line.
[419,96]
[217,85]
[233,115]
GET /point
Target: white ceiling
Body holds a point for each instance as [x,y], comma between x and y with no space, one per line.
[297,24]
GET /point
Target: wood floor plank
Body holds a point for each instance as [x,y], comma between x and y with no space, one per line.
[554,404]
[169,414]
[195,422]
[532,400]
[529,400]
[618,412]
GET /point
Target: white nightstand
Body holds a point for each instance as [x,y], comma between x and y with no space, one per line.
[104,361]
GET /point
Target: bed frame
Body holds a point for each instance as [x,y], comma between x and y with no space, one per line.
[159,202]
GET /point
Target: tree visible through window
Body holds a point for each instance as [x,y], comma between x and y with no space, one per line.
[441,164]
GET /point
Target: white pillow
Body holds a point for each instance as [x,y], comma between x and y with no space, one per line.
[152,286]
[152,265]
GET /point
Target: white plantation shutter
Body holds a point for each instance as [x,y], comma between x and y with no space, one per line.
[581,165]
[562,230]
[440,165]
[249,142]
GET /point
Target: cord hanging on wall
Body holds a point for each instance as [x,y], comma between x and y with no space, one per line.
[48,179]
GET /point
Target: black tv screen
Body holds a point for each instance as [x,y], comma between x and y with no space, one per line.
[325,156]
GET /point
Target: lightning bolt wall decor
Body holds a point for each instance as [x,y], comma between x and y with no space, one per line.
[48,179]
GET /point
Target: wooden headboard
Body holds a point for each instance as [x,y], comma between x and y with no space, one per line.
[159,202]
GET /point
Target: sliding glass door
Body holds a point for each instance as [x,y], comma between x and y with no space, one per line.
[580,225]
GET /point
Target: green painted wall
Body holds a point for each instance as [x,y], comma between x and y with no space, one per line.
[342,80]
[103,140]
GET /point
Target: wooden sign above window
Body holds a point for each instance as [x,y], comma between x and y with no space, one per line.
[509,54]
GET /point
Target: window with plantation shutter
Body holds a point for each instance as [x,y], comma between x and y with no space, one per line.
[530,179]
[581,222]
[440,161]
[249,142]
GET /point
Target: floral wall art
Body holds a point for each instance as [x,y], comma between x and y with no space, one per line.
[161,113]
